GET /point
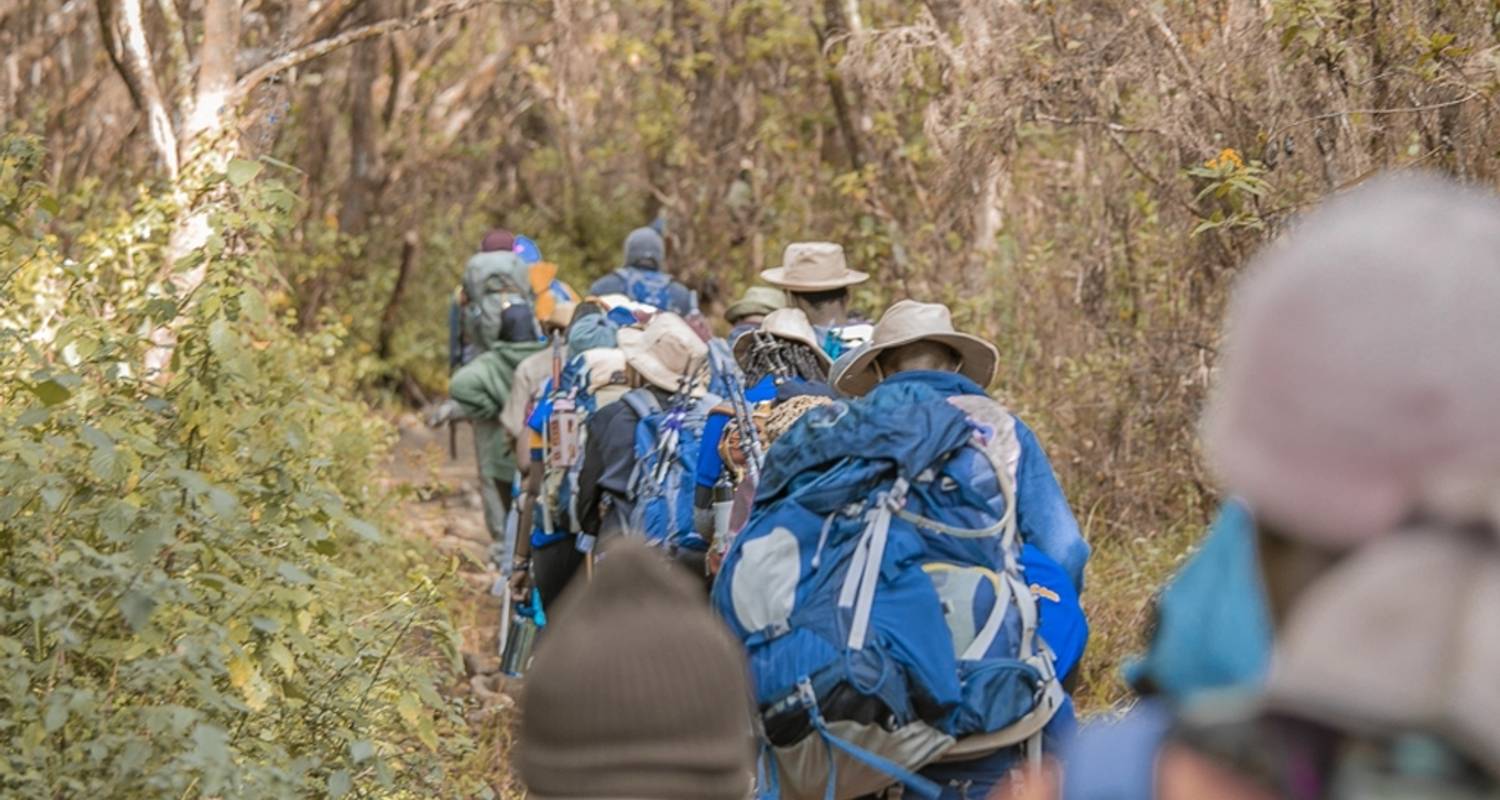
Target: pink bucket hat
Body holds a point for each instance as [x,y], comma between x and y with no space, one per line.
[1360,383]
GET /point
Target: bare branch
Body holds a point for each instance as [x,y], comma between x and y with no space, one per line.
[124,30]
[59,26]
[326,21]
[302,55]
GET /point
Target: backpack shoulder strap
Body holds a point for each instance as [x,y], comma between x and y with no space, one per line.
[642,401]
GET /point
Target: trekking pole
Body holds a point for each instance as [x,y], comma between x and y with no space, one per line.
[452,440]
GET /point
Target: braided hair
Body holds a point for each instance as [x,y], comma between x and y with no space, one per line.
[782,359]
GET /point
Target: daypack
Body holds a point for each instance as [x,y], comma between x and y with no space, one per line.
[666,460]
[493,282]
[878,591]
[649,286]
[586,383]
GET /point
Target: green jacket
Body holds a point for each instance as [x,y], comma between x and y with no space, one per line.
[480,388]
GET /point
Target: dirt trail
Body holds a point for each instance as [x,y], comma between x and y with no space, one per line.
[441,504]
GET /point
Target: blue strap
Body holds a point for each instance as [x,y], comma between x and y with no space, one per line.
[767,774]
[911,780]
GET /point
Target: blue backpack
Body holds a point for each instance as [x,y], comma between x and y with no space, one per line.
[666,462]
[649,286]
[572,403]
[878,590]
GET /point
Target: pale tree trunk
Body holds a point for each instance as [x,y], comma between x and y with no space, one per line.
[124,30]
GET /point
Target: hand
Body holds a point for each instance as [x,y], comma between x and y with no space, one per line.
[441,414]
[520,585]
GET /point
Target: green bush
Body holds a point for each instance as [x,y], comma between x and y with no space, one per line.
[192,602]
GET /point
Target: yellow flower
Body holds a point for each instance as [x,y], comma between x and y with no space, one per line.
[1228,157]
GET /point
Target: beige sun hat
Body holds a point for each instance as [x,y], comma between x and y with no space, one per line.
[813,267]
[907,322]
[1360,654]
[787,323]
[666,352]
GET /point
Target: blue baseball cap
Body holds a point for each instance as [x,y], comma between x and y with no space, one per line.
[527,250]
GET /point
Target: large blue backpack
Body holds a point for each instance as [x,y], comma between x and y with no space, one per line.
[649,286]
[878,591]
[666,460]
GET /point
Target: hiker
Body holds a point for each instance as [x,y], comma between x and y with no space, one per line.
[778,361]
[532,374]
[1353,413]
[636,691]
[746,313]
[916,343]
[816,280]
[879,585]
[479,392]
[495,312]
[643,277]
[639,478]
[593,377]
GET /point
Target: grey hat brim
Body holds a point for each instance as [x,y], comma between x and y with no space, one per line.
[978,361]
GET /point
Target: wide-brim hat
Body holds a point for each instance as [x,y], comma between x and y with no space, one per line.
[813,267]
[788,323]
[908,322]
[760,300]
[667,353]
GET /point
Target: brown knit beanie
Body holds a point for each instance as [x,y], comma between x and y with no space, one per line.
[637,691]
[498,239]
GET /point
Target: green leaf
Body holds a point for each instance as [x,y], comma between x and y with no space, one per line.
[293,574]
[50,392]
[56,716]
[282,657]
[115,518]
[210,744]
[241,172]
[137,606]
[361,751]
[364,530]
[52,497]
[339,784]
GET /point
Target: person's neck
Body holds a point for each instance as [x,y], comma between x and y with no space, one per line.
[827,316]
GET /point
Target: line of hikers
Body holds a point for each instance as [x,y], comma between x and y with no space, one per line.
[816,558]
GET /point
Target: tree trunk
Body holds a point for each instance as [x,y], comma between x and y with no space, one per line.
[124,30]
[388,318]
[366,172]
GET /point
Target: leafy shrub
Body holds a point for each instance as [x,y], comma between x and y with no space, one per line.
[192,602]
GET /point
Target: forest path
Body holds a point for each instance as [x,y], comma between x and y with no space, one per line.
[438,500]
